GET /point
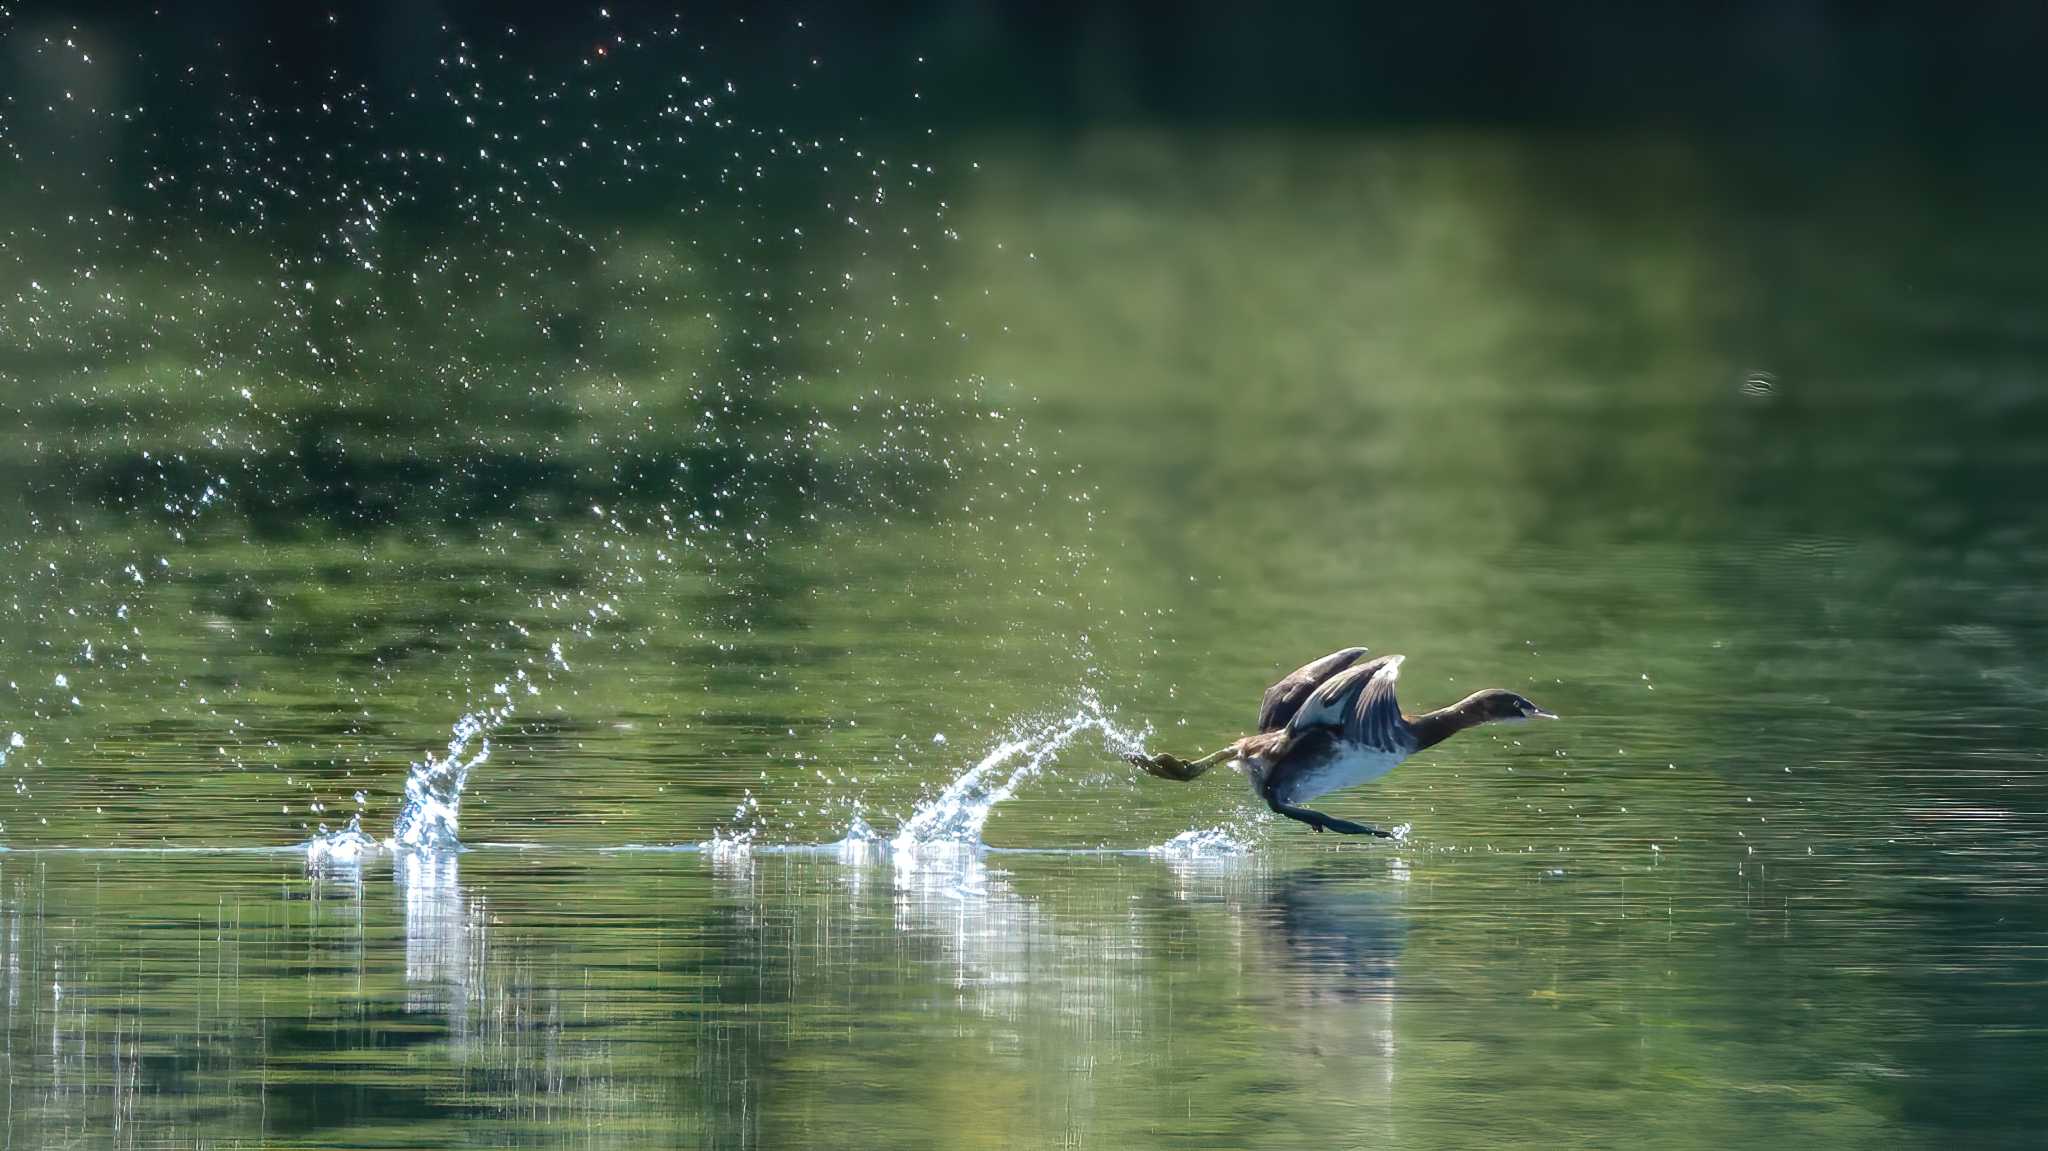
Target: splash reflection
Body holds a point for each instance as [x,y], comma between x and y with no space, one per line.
[948,893]
[664,999]
[443,935]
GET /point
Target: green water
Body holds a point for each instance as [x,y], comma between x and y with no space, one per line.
[1743,481]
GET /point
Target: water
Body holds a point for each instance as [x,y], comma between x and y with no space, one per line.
[957,815]
[618,627]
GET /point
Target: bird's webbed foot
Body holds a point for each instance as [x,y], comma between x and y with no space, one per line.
[1164,766]
[1175,768]
[1321,822]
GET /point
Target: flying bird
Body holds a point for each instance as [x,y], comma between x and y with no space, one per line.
[1334,723]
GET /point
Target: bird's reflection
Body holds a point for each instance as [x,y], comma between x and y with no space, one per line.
[1339,935]
[1329,937]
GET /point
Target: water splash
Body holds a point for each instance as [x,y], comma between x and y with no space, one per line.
[433,792]
[340,851]
[430,819]
[1201,843]
[735,849]
[20,785]
[861,844]
[956,815]
[731,855]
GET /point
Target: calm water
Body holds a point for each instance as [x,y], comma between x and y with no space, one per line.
[755,483]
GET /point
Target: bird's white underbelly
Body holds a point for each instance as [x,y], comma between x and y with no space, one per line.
[1348,768]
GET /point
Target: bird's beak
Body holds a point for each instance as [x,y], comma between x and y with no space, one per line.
[1539,713]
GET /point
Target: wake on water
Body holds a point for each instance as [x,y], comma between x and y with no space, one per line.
[946,827]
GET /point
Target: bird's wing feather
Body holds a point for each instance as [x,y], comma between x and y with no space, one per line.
[1330,704]
[1285,698]
[1375,718]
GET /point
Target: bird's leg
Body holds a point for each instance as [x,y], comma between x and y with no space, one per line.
[1321,822]
[1180,770]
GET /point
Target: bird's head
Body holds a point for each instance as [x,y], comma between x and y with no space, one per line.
[1498,705]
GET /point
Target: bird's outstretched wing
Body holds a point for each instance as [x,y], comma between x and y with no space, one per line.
[1339,699]
[1375,718]
[1285,698]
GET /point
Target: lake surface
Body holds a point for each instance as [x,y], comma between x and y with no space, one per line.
[790,559]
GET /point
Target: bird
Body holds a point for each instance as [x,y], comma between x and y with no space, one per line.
[1334,723]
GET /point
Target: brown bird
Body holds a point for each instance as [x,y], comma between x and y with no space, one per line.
[1334,723]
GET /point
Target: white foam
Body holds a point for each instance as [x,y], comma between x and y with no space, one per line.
[1201,843]
[340,850]
[731,855]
